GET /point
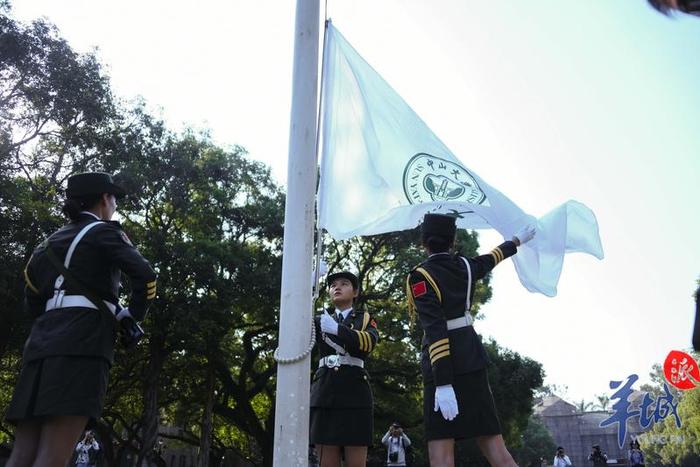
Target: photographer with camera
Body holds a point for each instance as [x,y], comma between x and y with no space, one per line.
[598,457]
[72,290]
[561,459]
[396,443]
[86,450]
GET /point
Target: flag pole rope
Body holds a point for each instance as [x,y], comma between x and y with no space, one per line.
[301,356]
[319,231]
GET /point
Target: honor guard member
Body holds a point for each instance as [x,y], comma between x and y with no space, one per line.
[70,347]
[457,398]
[341,397]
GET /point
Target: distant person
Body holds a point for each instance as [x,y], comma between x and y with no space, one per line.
[690,7]
[561,459]
[635,455]
[598,457]
[87,450]
[396,443]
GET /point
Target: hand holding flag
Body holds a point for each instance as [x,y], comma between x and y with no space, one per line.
[525,234]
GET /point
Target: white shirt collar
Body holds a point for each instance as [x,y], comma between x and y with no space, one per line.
[344,312]
[91,214]
[442,253]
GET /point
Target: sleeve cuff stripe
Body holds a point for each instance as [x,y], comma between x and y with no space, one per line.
[151,284]
[498,253]
[443,354]
[438,344]
[151,296]
[362,343]
[437,350]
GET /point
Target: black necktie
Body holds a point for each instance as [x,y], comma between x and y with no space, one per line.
[339,317]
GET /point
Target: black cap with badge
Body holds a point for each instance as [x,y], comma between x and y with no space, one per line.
[438,225]
[345,275]
[92,183]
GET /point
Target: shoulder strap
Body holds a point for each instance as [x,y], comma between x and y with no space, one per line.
[333,345]
[469,283]
[71,249]
[365,321]
[66,274]
[75,282]
[430,279]
[409,292]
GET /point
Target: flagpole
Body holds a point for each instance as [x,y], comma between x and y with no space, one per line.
[291,441]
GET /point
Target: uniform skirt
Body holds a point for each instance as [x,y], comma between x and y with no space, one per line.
[477,411]
[341,427]
[53,386]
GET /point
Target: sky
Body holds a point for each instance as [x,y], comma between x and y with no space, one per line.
[546,100]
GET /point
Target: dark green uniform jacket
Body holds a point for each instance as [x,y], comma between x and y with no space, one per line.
[345,386]
[437,288]
[101,254]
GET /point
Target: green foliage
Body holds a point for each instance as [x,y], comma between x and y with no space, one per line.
[666,444]
[513,380]
[536,444]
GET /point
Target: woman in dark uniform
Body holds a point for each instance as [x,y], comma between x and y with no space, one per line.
[70,347]
[457,398]
[341,397]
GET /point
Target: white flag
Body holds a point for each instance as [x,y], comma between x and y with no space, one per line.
[382,169]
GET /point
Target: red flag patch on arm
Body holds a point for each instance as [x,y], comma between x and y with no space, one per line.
[419,289]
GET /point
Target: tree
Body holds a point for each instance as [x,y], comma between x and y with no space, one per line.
[536,444]
[583,406]
[603,401]
[53,103]
[211,223]
[669,444]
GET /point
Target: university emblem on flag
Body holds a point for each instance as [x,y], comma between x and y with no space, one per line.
[428,178]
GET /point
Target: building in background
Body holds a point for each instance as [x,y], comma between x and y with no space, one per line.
[578,431]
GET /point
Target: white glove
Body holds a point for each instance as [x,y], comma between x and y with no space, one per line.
[446,401]
[525,234]
[124,313]
[328,324]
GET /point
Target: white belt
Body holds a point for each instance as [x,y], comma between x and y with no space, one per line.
[334,361]
[69,301]
[461,322]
